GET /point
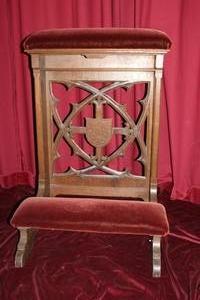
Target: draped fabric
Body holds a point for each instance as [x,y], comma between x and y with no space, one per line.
[89,266]
[179,159]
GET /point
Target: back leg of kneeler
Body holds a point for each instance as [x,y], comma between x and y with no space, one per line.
[156,245]
[24,246]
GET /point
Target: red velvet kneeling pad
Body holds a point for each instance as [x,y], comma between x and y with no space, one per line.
[92,215]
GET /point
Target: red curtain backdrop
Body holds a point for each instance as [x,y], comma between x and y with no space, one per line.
[179,155]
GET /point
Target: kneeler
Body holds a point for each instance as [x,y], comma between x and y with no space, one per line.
[108,139]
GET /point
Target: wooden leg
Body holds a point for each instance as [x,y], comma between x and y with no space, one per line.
[41,188]
[153,193]
[156,256]
[24,246]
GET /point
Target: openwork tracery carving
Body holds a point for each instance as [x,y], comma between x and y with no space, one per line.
[99,130]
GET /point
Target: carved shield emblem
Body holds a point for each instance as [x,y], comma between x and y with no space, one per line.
[98,131]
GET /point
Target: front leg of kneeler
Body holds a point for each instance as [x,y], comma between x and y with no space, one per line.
[156,245]
[24,246]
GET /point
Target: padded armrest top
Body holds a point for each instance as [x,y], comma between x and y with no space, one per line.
[96,38]
[92,215]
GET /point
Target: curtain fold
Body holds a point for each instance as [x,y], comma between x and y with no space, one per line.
[179,154]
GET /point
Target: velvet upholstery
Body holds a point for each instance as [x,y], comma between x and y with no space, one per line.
[82,266]
[92,215]
[116,38]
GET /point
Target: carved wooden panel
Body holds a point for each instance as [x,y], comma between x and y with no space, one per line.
[99,128]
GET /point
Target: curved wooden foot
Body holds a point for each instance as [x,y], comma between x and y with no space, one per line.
[24,246]
[156,256]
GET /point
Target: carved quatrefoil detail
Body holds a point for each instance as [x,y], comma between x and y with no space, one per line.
[99,130]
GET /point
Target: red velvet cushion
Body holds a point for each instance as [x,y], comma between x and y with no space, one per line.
[92,215]
[122,38]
